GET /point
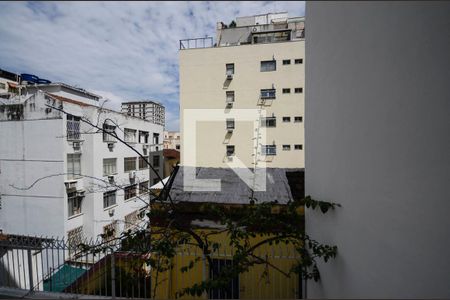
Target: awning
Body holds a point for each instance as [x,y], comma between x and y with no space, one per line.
[160,185]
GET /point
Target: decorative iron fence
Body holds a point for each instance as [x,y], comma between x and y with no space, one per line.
[41,264]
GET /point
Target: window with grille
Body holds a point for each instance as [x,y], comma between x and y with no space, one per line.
[73,127]
[74,203]
[109,133]
[143,187]
[298,90]
[268,149]
[109,199]
[298,147]
[286,61]
[110,231]
[230,290]
[268,94]
[75,236]
[129,164]
[130,192]
[109,166]
[269,122]
[73,166]
[130,135]
[268,65]
[298,119]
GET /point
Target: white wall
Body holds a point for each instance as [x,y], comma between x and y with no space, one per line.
[377,141]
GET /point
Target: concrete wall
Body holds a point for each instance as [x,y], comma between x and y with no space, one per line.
[203,85]
[377,141]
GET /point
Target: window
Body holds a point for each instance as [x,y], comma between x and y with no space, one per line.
[269,122]
[231,290]
[286,61]
[110,231]
[286,119]
[177,147]
[286,147]
[109,166]
[143,187]
[270,37]
[142,163]
[229,69]
[73,166]
[74,203]
[298,90]
[268,94]
[268,65]
[130,192]
[230,96]
[73,127]
[230,123]
[156,161]
[299,61]
[230,150]
[130,135]
[156,139]
[286,91]
[298,119]
[298,147]
[143,137]
[109,131]
[129,164]
[109,199]
[268,149]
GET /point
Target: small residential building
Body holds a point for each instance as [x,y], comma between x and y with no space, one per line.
[259,65]
[151,111]
[60,176]
[172,140]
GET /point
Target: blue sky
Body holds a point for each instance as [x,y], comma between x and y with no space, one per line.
[119,50]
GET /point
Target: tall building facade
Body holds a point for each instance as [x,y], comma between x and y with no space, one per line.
[60,176]
[148,110]
[258,65]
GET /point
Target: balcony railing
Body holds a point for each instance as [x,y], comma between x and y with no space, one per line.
[205,42]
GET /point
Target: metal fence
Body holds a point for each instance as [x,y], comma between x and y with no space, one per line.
[38,264]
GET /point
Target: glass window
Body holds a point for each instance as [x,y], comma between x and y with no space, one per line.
[156,161]
[109,131]
[268,65]
[129,164]
[268,149]
[286,91]
[229,69]
[298,147]
[298,119]
[230,96]
[268,94]
[130,192]
[269,122]
[74,203]
[298,90]
[286,119]
[109,166]
[286,147]
[230,150]
[286,61]
[230,123]
[109,199]
[130,135]
[299,61]
[142,163]
[73,166]
[143,187]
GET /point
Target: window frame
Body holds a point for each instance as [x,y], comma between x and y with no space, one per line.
[73,125]
[265,122]
[298,147]
[229,95]
[298,119]
[286,90]
[111,129]
[108,199]
[229,69]
[230,150]
[286,62]
[298,61]
[264,65]
[268,93]
[230,124]
[130,192]
[127,133]
[298,90]
[71,164]
[74,204]
[286,147]
[128,160]
[272,150]
[286,119]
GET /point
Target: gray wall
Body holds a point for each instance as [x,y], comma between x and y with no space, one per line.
[378,142]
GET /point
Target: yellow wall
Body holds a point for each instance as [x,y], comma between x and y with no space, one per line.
[251,284]
[202,78]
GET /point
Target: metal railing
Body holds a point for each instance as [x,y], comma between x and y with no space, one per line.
[205,42]
[41,264]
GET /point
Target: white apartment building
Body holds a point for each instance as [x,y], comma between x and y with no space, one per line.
[60,176]
[172,140]
[258,64]
[151,111]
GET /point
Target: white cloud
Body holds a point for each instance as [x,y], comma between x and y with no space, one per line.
[123,50]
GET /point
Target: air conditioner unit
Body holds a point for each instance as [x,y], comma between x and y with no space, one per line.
[132,175]
[111,179]
[111,212]
[70,185]
[110,146]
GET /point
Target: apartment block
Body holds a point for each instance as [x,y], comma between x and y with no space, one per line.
[259,65]
[172,140]
[151,111]
[60,176]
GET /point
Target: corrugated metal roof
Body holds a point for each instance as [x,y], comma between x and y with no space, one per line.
[233,189]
